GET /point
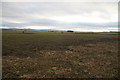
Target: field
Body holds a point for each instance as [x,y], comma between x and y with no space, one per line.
[36,54]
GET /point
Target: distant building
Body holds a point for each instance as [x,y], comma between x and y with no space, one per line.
[70,31]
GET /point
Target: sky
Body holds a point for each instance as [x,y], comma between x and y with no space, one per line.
[77,16]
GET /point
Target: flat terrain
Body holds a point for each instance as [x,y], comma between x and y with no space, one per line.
[38,54]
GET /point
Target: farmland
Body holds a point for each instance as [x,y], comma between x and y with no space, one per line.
[38,54]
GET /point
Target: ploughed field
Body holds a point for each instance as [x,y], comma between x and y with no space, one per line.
[36,54]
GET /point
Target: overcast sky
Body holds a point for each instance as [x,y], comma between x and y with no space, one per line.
[77,16]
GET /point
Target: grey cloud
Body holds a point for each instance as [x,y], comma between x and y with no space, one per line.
[27,12]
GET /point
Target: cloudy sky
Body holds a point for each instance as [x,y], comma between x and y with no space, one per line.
[77,16]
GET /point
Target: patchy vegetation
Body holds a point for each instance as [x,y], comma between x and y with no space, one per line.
[56,55]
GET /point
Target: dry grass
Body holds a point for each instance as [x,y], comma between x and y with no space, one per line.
[55,55]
